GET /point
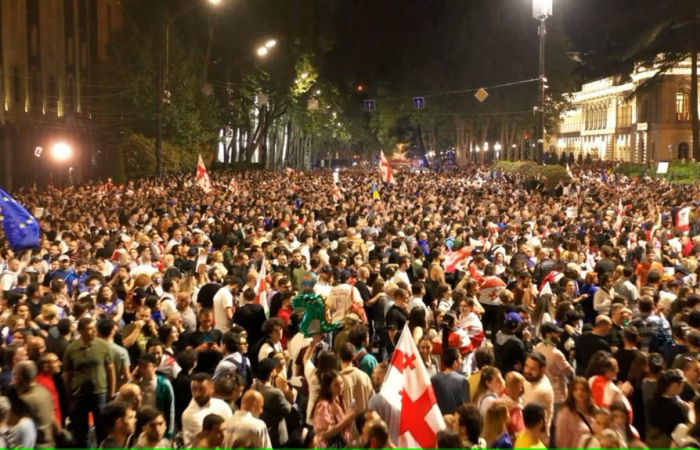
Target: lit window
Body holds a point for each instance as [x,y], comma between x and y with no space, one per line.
[682,105]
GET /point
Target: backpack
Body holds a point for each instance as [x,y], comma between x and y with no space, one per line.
[358,358]
[660,340]
[253,354]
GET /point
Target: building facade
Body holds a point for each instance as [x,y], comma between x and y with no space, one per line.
[610,123]
[48,49]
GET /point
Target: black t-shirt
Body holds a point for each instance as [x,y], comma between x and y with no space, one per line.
[363,290]
[588,344]
[625,357]
[251,316]
[198,337]
[396,318]
[207,293]
[666,414]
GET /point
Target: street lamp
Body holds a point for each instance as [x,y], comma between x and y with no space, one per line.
[263,51]
[61,151]
[498,148]
[271,43]
[541,10]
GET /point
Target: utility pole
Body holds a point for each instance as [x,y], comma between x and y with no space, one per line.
[159,134]
[541,10]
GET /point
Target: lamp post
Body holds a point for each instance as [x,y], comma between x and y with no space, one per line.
[163,93]
[61,152]
[498,148]
[541,10]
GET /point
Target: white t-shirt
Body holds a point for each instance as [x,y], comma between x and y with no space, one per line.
[340,299]
[222,299]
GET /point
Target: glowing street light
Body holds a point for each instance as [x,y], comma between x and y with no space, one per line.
[215,2]
[61,151]
[271,43]
[497,147]
[263,51]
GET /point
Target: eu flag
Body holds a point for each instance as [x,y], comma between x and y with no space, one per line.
[21,229]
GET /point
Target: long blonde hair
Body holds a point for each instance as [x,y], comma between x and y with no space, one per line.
[495,421]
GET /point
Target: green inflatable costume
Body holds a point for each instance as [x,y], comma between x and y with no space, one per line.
[314,319]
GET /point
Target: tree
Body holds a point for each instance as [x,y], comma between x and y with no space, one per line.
[674,37]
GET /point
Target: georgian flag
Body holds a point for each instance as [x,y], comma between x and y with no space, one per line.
[410,397]
[337,195]
[474,328]
[261,288]
[387,175]
[202,176]
[233,187]
[683,219]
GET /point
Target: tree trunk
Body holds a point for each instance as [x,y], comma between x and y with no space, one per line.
[694,105]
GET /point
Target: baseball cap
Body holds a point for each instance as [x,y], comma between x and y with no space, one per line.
[63,258]
[550,327]
[513,319]
[308,280]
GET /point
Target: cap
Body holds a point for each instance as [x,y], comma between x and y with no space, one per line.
[63,258]
[513,319]
[197,231]
[550,327]
[308,280]
[401,234]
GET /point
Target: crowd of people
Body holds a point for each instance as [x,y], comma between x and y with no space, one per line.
[153,315]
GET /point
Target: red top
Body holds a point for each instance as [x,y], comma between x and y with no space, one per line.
[48,383]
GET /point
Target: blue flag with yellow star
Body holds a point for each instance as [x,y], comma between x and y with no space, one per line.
[21,228]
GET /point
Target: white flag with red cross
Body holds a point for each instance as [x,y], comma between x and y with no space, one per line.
[203,176]
[261,288]
[387,174]
[233,187]
[409,392]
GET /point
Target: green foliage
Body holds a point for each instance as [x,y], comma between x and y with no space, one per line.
[140,158]
[680,172]
[551,175]
[630,169]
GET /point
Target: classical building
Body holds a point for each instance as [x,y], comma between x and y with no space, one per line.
[609,122]
[48,50]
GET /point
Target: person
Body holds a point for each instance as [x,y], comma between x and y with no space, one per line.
[245,424]
[448,439]
[22,432]
[156,390]
[212,434]
[602,372]
[250,316]
[590,343]
[182,384]
[600,423]
[276,407]
[363,420]
[538,388]
[451,388]
[120,421]
[106,330]
[425,348]
[378,435]
[151,429]
[626,355]
[223,304]
[508,349]
[39,402]
[575,417]
[558,371]
[666,411]
[495,431]
[470,424]
[89,373]
[512,397]
[534,418]
[621,422]
[332,421]
[483,356]
[365,360]
[49,377]
[202,404]
[490,386]
[691,373]
[648,323]
[357,385]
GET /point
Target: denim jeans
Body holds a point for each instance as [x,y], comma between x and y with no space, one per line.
[82,407]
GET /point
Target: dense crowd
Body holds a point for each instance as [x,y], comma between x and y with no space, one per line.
[154,315]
